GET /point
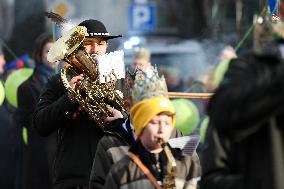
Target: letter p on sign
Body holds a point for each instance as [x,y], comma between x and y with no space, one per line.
[142,16]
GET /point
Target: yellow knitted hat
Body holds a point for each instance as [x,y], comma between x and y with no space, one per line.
[142,112]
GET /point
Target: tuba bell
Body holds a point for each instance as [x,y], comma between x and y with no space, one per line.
[92,95]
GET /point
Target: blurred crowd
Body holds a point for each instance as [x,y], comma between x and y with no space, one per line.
[48,141]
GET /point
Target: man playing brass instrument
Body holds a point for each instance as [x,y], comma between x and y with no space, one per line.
[78,134]
[151,162]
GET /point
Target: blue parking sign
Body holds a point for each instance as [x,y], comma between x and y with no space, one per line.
[142,16]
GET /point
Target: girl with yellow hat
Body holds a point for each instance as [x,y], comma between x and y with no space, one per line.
[151,162]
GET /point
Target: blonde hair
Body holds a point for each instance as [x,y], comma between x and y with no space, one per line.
[142,53]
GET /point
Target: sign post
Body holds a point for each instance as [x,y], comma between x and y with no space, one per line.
[142,16]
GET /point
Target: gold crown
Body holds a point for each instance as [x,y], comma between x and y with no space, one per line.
[147,85]
[131,78]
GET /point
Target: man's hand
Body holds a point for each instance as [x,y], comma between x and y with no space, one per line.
[115,115]
[75,80]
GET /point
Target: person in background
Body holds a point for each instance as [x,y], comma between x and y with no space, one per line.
[173,78]
[78,134]
[141,59]
[146,165]
[2,62]
[8,148]
[38,152]
[245,137]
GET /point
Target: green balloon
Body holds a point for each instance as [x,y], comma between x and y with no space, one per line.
[12,83]
[220,71]
[203,128]
[187,115]
[25,135]
[2,93]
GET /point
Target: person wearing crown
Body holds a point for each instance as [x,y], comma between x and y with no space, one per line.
[151,162]
[78,134]
[119,134]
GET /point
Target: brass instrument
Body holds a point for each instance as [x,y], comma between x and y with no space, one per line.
[92,95]
[169,179]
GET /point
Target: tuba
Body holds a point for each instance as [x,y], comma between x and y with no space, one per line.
[93,96]
[169,179]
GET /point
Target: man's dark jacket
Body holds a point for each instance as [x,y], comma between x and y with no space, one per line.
[245,139]
[77,135]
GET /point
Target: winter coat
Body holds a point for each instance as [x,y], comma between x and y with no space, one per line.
[112,148]
[9,146]
[39,151]
[245,141]
[126,173]
[78,136]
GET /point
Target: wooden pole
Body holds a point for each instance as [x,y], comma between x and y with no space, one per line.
[190,95]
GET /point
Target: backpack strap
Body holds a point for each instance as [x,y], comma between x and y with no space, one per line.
[144,169]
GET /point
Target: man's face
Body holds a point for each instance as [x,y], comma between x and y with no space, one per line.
[45,50]
[95,45]
[159,127]
[141,63]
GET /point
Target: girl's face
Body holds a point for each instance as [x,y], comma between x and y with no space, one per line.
[2,63]
[45,50]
